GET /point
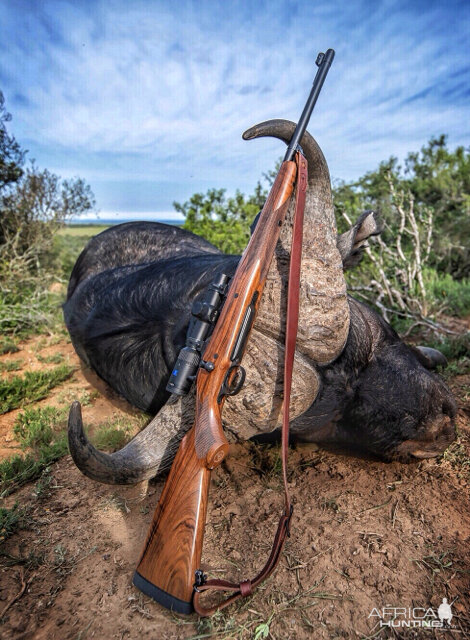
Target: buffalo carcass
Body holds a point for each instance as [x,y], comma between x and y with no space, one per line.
[355,382]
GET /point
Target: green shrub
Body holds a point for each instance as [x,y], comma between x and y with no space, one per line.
[32,386]
[42,433]
[7,346]
[11,365]
[10,521]
[454,294]
[34,428]
[453,347]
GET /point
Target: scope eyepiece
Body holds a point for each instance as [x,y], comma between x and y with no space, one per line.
[204,315]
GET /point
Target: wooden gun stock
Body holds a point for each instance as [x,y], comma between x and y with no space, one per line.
[172,551]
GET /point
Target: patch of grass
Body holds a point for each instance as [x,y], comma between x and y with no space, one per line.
[114,433]
[10,521]
[19,470]
[36,428]
[87,397]
[42,433]
[55,358]
[11,365]
[111,436]
[267,461]
[457,457]
[32,386]
[7,345]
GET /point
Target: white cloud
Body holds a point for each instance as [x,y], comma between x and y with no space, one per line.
[140,90]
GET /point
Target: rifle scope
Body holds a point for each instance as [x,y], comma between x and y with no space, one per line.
[205,313]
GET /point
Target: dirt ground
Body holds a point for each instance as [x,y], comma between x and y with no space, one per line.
[366,535]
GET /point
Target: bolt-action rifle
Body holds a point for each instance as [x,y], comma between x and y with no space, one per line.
[168,570]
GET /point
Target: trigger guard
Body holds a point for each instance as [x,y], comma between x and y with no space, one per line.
[227,390]
[240,376]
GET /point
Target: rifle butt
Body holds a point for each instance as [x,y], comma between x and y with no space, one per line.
[172,551]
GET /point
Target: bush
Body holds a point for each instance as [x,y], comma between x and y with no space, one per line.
[42,435]
[34,204]
[32,386]
[453,295]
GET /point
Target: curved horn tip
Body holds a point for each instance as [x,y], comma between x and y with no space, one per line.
[250,133]
[75,423]
[434,357]
[276,128]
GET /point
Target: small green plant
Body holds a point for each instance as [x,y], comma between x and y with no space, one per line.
[11,365]
[10,521]
[7,346]
[87,397]
[32,386]
[41,433]
[115,432]
[457,456]
[262,631]
[111,435]
[35,428]
[42,488]
[55,358]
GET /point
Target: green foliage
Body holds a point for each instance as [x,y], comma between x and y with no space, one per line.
[7,345]
[454,295]
[31,309]
[112,435]
[456,349]
[437,180]
[11,365]
[10,521]
[32,386]
[55,358]
[417,269]
[34,428]
[11,154]
[34,204]
[42,433]
[18,470]
[453,347]
[223,221]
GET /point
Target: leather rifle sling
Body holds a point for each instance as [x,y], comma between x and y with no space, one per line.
[245,588]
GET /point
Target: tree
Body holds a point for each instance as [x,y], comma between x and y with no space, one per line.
[33,205]
[223,221]
[11,154]
[419,266]
[438,180]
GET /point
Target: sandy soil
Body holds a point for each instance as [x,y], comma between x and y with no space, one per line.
[366,535]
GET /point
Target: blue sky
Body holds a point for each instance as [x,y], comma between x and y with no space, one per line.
[148,100]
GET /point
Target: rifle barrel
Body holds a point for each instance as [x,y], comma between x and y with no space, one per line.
[323,61]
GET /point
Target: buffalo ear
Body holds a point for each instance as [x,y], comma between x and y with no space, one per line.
[351,244]
[430,358]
